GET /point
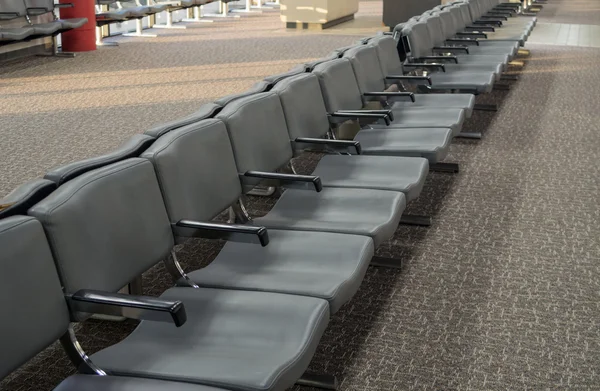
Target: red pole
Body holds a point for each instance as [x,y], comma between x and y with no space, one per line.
[82,39]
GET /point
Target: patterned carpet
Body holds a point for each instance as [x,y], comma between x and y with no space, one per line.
[502,292]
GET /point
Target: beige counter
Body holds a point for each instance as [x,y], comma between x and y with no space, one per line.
[317,14]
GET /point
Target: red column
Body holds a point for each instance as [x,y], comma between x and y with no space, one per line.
[82,39]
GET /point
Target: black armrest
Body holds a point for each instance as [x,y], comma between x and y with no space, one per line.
[463,40]
[451,58]
[481,27]
[426,79]
[287,180]
[128,306]
[42,9]
[409,95]
[230,232]
[489,20]
[64,5]
[387,112]
[472,34]
[452,48]
[346,146]
[495,16]
[425,65]
[358,114]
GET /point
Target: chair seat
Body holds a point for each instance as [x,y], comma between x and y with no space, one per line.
[120,14]
[491,50]
[459,101]
[72,23]
[477,81]
[374,213]
[120,383]
[429,143]
[483,58]
[403,174]
[470,66]
[426,118]
[514,45]
[325,265]
[238,340]
[15,34]
[46,28]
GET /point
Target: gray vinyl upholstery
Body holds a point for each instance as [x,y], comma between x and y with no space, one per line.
[429,143]
[306,116]
[261,86]
[205,111]
[120,383]
[339,86]
[367,69]
[238,340]
[258,132]
[374,213]
[303,106]
[274,79]
[196,170]
[34,311]
[130,148]
[25,196]
[197,174]
[106,226]
[325,265]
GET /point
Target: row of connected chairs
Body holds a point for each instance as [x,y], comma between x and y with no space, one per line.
[24,10]
[251,319]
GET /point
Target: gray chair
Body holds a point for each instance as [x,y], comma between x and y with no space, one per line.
[464,55]
[261,145]
[394,72]
[450,29]
[198,178]
[417,48]
[18,201]
[33,321]
[207,110]
[341,92]
[345,166]
[109,225]
[480,11]
[465,29]
[274,79]
[261,86]
[377,95]
[12,9]
[133,147]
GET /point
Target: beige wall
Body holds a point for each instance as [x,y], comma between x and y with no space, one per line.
[316,11]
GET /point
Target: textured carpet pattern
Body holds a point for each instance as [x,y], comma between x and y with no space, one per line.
[502,292]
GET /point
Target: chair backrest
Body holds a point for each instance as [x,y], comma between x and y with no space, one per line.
[196,170]
[338,85]
[39,7]
[465,14]
[309,66]
[131,148]
[274,79]
[387,52]
[34,310]
[459,22]
[436,32]
[474,10]
[367,70]
[303,106]
[418,38]
[12,9]
[447,23]
[107,226]
[205,111]
[258,133]
[18,201]
[261,86]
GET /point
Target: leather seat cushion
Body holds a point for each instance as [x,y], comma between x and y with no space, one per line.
[319,264]
[232,339]
[374,213]
[426,118]
[120,383]
[403,174]
[481,82]
[459,101]
[429,143]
